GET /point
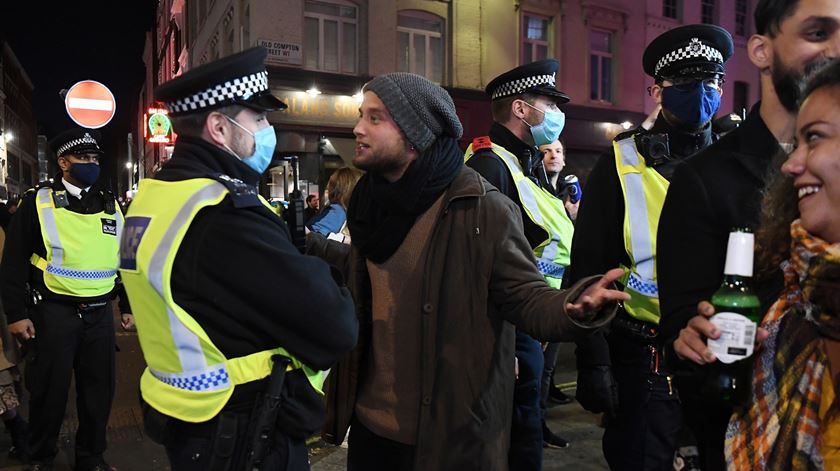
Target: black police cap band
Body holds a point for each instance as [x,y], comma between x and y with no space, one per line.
[238,79]
[688,49]
[537,78]
[76,141]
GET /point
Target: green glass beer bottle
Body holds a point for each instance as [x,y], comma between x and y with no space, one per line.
[737,315]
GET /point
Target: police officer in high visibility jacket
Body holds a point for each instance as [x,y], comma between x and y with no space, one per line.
[219,290]
[59,274]
[526,114]
[622,374]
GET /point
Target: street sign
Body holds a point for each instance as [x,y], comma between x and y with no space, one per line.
[90,104]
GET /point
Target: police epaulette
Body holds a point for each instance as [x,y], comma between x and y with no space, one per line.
[481,142]
[624,135]
[242,194]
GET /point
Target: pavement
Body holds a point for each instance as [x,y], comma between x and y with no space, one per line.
[130,450]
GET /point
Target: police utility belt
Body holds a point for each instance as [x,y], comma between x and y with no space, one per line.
[34,297]
[644,332]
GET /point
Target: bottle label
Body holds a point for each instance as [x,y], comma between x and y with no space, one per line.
[737,337]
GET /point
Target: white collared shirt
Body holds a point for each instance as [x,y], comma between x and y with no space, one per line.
[73,189]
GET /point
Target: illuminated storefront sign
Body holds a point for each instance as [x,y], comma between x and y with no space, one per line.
[341,111]
[158,128]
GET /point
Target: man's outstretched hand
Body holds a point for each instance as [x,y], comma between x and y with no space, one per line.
[596,295]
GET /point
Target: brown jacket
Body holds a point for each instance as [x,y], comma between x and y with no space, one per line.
[481,282]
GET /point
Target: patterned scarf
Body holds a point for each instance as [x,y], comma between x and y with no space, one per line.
[779,428]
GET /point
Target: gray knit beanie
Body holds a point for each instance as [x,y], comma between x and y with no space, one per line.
[423,111]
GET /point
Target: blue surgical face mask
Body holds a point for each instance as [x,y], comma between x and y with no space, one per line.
[86,173]
[549,130]
[265,140]
[694,104]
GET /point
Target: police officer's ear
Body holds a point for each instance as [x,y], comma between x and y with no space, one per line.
[63,163]
[655,92]
[760,52]
[518,109]
[217,129]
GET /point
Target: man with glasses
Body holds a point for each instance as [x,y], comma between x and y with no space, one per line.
[59,274]
[621,373]
[526,115]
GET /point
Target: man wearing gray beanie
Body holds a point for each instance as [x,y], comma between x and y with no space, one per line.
[441,272]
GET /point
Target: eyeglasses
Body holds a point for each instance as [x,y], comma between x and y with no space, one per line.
[713,81]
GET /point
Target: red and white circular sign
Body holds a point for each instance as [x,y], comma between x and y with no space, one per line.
[90,104]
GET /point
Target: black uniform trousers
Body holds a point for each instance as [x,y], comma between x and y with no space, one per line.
[69,341]
[643,435]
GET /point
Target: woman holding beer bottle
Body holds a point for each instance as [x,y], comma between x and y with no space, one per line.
[791,420]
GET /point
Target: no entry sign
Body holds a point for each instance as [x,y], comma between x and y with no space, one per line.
[90,104]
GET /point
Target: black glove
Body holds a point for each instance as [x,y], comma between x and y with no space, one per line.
[597,390]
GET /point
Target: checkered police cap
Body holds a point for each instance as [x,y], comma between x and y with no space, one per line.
[515,87]
[76,141]
[239,79]
[695,49]
[537,78]
[687,50]
[241,88]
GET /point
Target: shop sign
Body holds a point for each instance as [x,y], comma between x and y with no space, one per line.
[341,111]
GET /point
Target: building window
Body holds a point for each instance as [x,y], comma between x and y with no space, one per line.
[669,9]
[534,38]
[741,9]
[26,174]
[420,44]
[246,27]
[13,167]
[740,100]
[600,65]
[708,11]
[330,38]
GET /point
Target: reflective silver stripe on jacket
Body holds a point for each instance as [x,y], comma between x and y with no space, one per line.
[640,241]
[196,372]
[54,266]
[529,200]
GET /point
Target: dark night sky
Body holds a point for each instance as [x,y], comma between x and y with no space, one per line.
[59,43]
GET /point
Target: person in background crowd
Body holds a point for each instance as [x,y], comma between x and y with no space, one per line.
[526,114]
[10,381]
[230,314]
[333,219]
[720,188]
[58,276]
[311,209]
[441,272]
[548,176]
[622,374]
[791,421]
[5,215]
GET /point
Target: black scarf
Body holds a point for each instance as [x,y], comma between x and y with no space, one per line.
[380,213]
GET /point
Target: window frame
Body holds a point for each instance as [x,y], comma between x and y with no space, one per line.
[340,21]
[428,34]
[602,55]
[533,44]
[742,28]
[676,7]
[714,16]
